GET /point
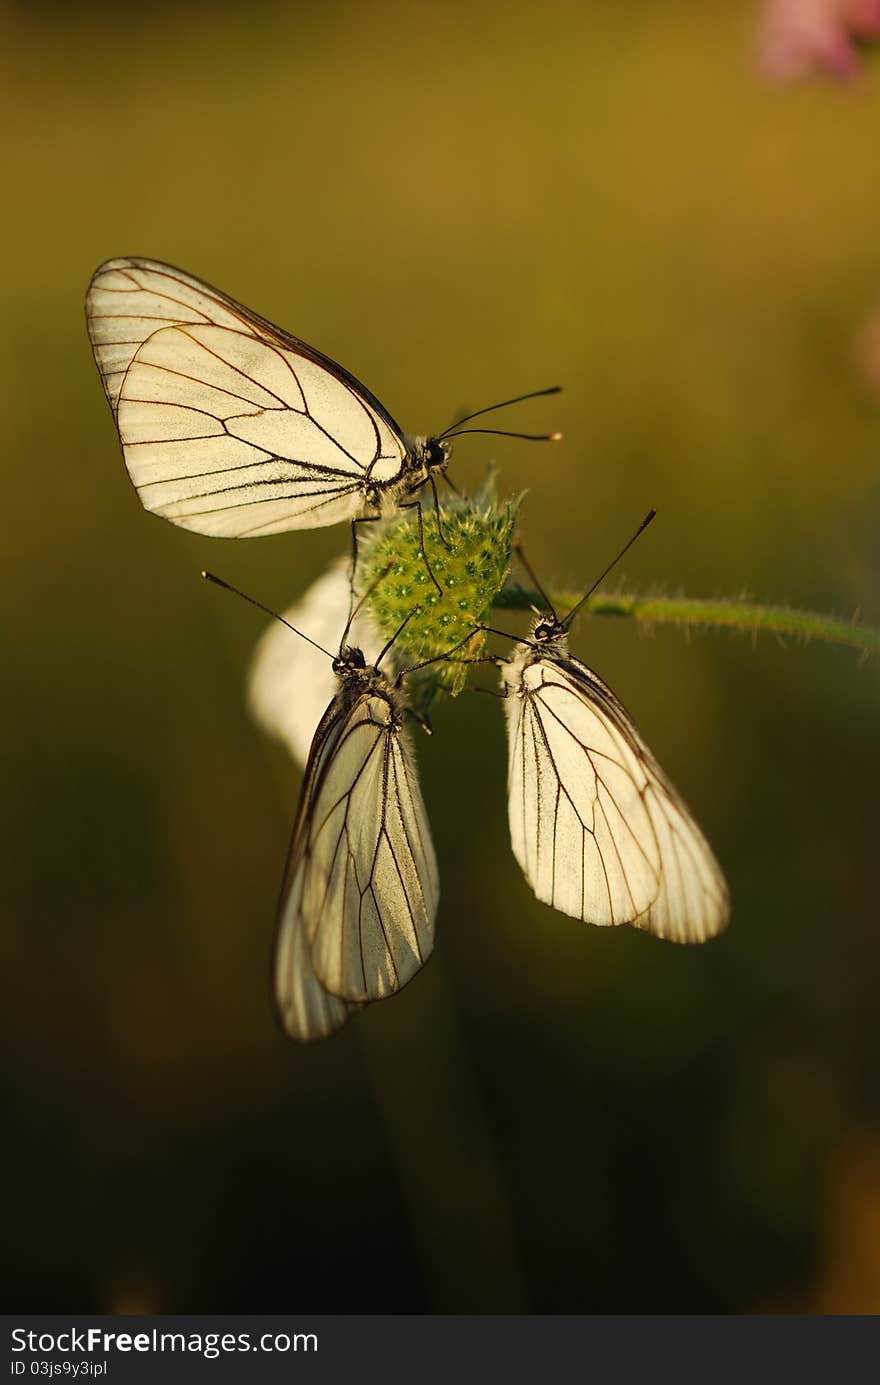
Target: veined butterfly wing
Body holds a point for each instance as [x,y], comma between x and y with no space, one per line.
[360,895]
[596,826]
[308,1012]
[229,425]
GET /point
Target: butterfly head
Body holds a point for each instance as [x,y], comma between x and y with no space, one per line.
[429,455]
[549,635]
[355,674]
[349,661]
[436,453]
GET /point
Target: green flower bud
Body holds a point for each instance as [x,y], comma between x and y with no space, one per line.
[471,571]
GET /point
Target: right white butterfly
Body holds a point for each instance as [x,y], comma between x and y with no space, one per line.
[598,829]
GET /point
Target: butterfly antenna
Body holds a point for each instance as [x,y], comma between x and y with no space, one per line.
[252,601]
[505,403]
[505,433]
[601,578]
[367,594]
[518,550]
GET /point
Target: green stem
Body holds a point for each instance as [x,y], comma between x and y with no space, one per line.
[729,614]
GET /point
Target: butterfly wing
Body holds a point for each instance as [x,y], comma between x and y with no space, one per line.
[308,1011]
[598,829]
[229,425]
[361,891]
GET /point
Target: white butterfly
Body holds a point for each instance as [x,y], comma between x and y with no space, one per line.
[598,829]
[291,681]
[360,893]
[231,426]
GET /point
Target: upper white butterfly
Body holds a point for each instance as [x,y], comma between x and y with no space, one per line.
[229,425]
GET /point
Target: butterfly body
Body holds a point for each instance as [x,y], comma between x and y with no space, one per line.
[360,893]
[596,826]
[231,426]
[424,458]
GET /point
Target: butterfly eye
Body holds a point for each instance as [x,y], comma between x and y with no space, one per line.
[543,630]
[349,660]
[435,453]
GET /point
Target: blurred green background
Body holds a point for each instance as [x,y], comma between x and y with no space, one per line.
[460,202]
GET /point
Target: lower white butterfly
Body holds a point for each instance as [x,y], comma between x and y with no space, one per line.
[360,892]
[598,829]
[231,426]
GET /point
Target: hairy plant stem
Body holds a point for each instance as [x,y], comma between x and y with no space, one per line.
[688,611]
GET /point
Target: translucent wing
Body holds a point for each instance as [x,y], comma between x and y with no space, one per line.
[229,425]
[360,895]
[308,1012]
[599,831]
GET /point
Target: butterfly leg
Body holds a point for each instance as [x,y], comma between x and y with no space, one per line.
[421,719]
[443,539]
[364,519]
[454,489]
[481,659]
[417,506]
[445,657]
[484,659]
[492,630]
